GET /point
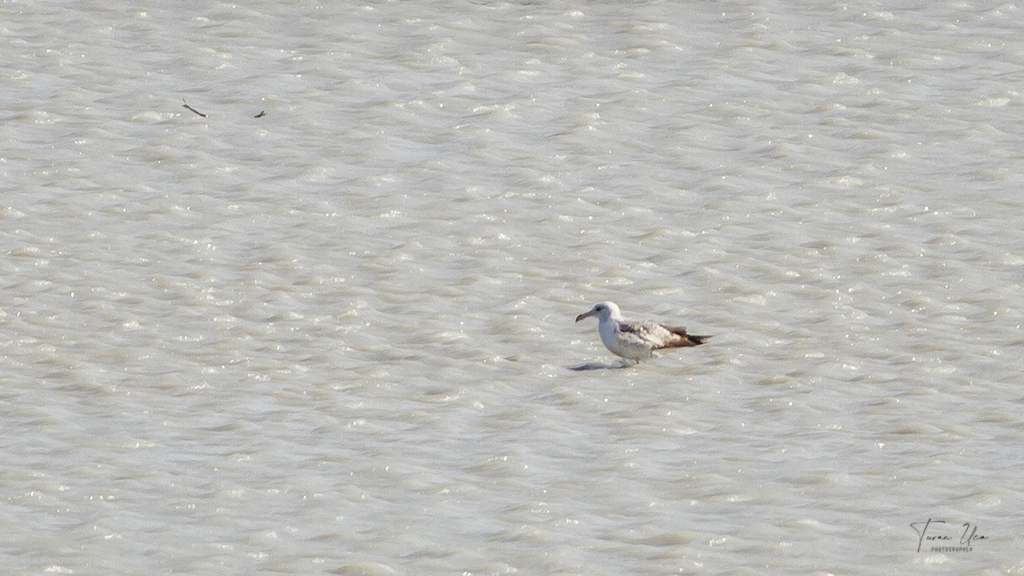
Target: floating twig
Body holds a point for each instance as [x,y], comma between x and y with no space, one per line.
[187,107]
[261,114]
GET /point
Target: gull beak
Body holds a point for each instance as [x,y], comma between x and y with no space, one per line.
[584,315]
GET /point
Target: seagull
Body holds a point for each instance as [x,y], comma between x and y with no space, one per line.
[637,340]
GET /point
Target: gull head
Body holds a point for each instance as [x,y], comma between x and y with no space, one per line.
[603,311]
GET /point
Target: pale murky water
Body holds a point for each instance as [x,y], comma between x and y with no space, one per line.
[338,338]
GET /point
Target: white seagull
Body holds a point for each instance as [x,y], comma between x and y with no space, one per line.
[637,340]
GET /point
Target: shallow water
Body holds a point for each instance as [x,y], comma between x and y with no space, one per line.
[338,338]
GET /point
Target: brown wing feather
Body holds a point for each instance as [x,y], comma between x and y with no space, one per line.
[684,340]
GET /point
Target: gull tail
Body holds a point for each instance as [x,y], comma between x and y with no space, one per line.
[685,340]
[698,340]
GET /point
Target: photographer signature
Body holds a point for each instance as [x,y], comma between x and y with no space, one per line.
[968,536]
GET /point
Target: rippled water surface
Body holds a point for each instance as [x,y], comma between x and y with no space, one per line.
[321,320]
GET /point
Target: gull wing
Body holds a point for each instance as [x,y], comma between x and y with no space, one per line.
[658,336]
